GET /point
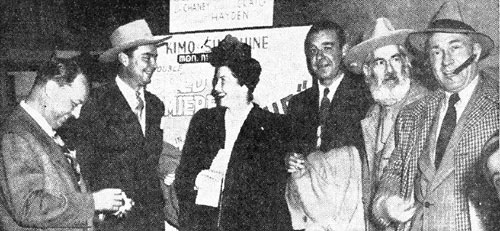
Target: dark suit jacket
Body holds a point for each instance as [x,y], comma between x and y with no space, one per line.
[253,196]
[348,107]
[117,155]
[38,187]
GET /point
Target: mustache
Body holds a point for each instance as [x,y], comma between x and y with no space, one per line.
[390,77]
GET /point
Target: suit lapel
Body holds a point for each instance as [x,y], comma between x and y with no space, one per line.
[369,126]
[472,114]
[121,109]
[51,149]
[424,160]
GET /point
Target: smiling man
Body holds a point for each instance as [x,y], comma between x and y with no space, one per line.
[121,124]
[328,114]
[385,63]
[439,138]
[40,182]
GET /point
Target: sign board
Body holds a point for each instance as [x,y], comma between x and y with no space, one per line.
[196,15]
[183,79]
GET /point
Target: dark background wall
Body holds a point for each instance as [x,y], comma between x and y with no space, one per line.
[31,29]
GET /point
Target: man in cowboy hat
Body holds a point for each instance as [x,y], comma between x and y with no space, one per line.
[385,63]
[439,138]
[121,123]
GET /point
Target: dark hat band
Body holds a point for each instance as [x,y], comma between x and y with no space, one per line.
[450,24]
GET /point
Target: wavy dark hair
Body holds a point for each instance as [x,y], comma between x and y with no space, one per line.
[237,56]
[61,70]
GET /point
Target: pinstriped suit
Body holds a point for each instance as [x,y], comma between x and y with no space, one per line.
[411,170]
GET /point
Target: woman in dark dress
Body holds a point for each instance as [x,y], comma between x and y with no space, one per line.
[232,175]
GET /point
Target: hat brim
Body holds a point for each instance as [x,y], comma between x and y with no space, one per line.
[417,40]
[356,56]
[111,54]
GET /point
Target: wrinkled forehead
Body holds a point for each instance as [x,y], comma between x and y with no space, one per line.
[386,52]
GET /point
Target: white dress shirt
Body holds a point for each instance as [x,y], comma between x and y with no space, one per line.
[39,119]
[465,95]
[132,101]
[333,88]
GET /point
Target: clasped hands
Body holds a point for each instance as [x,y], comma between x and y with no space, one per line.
[112,199]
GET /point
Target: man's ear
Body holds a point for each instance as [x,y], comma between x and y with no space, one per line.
[366,72]
[51,89]
[477,50]
[123,59]
[345,48]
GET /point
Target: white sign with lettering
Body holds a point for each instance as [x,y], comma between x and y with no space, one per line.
[196,15]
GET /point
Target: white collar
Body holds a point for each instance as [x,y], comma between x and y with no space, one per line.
[466,93]
[125,88]
[39,119]
[333,87]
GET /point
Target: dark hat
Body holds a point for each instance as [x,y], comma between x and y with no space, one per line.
[449,19]
[237,55]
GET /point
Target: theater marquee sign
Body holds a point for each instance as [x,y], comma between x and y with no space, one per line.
[196,15]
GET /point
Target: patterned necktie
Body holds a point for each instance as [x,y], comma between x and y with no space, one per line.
[70,157]
[140,105]
[447,127]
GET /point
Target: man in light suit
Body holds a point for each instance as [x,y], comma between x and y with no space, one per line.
[385,63]
[439,138]
[41,187]
[122,123]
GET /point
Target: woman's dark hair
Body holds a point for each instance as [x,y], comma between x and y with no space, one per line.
[61,70]
[237,57]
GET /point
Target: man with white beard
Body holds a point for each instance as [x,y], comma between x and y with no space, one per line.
[386,66]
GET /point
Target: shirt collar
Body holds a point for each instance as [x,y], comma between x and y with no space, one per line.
[39,119]
[465,93]
[333,87]
[125,88]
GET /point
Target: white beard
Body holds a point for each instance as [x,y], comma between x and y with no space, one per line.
[386,96]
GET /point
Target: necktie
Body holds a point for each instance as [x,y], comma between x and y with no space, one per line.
[323,115]
[447,127]
[140,105]
[70,157]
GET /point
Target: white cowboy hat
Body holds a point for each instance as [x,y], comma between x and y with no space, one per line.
[383,34]
[449,19]
[136,33]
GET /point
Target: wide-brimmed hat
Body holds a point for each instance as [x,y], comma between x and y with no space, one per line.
[383,34]
[449,19]
[136,33]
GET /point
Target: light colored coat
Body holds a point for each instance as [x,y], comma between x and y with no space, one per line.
[410,167]
[376,161]
[39,189]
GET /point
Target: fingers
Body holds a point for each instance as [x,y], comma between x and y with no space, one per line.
[169,179]
[109,199]
[295,162]
[399,209]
